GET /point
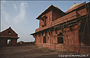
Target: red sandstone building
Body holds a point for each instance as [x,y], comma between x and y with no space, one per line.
[64,30]
[8,37]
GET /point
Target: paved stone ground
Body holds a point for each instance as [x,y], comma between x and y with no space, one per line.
[29,51]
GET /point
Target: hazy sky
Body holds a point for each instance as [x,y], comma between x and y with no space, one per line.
[21,15]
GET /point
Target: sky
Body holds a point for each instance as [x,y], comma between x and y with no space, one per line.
[21,15]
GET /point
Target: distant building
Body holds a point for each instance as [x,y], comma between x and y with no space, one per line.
[64,30]
[21,42]
[8,37]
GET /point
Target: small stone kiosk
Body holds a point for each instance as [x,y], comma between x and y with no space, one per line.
[8,37]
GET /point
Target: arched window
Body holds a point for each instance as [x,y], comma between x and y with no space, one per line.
[60,38]
[9,32]
[44,20]
[44,39]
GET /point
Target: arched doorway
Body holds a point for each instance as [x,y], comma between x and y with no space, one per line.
[8,41]
[60,38]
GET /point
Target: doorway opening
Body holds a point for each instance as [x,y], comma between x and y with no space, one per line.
[8,41]
[44,39]
[60,38]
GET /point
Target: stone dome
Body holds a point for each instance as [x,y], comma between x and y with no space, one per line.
[75,5]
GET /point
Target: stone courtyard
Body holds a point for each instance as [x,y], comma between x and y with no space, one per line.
[30,51]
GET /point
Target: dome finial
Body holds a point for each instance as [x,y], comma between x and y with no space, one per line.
[75,5]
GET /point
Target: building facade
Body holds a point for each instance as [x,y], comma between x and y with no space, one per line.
[66,31]
[8,37]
